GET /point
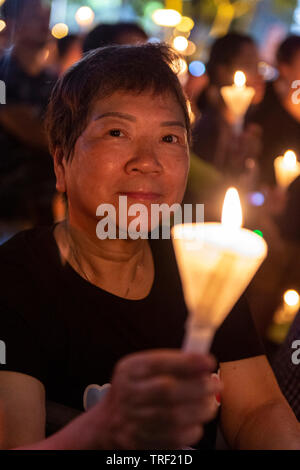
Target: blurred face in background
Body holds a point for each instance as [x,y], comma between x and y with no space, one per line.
[73,54]
[290,71]
[130,37]
[247,61]
[32,28]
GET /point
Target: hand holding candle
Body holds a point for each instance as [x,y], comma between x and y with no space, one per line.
[238,98]
[216,263]
[287,168]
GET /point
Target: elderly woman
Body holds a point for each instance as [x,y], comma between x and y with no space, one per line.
[77,309]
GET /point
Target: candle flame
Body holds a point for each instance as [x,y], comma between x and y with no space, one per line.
[232,216]
[291,297]
[289,159]
[239,79]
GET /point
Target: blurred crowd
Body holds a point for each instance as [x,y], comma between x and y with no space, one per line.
[31,59]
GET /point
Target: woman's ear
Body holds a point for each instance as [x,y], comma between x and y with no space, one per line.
[59,169]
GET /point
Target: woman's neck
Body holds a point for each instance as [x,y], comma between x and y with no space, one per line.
[117,266]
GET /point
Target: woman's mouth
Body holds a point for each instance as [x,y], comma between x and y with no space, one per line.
[141,195]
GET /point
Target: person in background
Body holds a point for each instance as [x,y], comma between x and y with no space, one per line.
[277,115]
[289,220]
[288,223]
[213,135]
[27,178]
[287,361]
[69,50]
[109,34]
[287,367]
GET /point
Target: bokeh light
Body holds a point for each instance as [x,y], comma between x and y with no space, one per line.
[185,25]
[291,297]
[180,43]
[257,199]
[84,16]
[60,30]
[191,48]
[164,17]
[2,25]
[197,68]
[267,71]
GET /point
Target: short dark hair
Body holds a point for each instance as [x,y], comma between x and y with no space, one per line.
[107,34]
[288,49]
[224,50]
[101,73]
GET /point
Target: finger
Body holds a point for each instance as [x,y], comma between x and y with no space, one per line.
[168,391]
[176,362]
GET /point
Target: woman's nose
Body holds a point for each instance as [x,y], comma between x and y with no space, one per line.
[144,160]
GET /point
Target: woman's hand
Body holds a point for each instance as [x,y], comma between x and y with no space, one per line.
[158,400]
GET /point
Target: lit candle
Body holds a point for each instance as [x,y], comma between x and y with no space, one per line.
[284,316]
[286,169]
[291,303]
[216,263]
[238,98]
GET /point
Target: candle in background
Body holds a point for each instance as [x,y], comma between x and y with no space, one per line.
[216,263]
[284,316]
[291,303]
[238,98]
[287,168]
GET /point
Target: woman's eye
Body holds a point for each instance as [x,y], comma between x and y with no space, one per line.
[170,139]
[115,133]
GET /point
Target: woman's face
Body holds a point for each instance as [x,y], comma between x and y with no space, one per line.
[134,145]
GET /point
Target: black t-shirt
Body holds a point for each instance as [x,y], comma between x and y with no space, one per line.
[68,333]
